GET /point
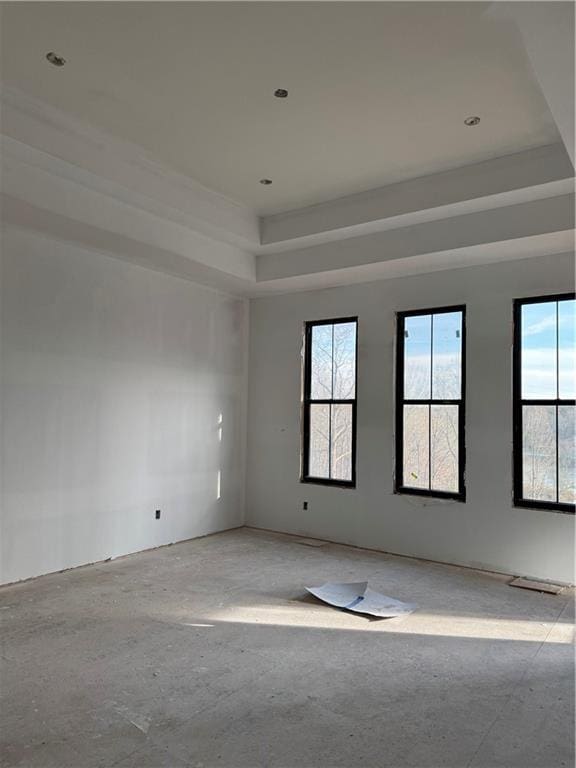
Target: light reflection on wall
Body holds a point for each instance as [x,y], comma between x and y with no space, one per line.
[219,474]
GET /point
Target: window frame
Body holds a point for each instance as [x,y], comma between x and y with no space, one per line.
[307,401]
[518,402]
[401,401]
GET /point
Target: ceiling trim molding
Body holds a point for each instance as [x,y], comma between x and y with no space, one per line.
[521,177]
[122,169]
[536,217]
[560,244]
[28,221]
[71,183]
[46,197]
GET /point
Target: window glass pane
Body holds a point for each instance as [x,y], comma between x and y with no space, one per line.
[539,452]
[566,454]
[341,442]
[417,357]
[567,349]
[321,382]
[444,448]
[446,355]
[318,461]
[416,447]
[539,350]
[344,361]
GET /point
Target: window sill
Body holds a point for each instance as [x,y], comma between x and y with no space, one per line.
[439,495]
[545,506]
[327,482]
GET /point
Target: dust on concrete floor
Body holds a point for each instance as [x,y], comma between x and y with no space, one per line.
[208,653]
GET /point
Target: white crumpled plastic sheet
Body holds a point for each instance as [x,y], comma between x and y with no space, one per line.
[358,597]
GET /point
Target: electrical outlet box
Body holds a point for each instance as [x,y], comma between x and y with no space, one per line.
[157,514]
[305,505]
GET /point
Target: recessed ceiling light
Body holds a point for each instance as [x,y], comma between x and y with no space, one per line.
[473,120]
[53,58]
[281,93]
[266,182]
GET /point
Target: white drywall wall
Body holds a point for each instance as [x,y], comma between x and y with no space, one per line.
[486,531]
[113,382]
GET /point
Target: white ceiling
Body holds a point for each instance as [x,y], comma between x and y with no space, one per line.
[378,91]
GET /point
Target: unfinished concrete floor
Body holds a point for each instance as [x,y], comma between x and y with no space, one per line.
[208,653]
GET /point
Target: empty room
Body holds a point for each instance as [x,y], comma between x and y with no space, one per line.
[287,384]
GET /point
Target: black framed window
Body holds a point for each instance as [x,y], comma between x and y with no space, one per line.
[329,415]
[544,402]
[430,398]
